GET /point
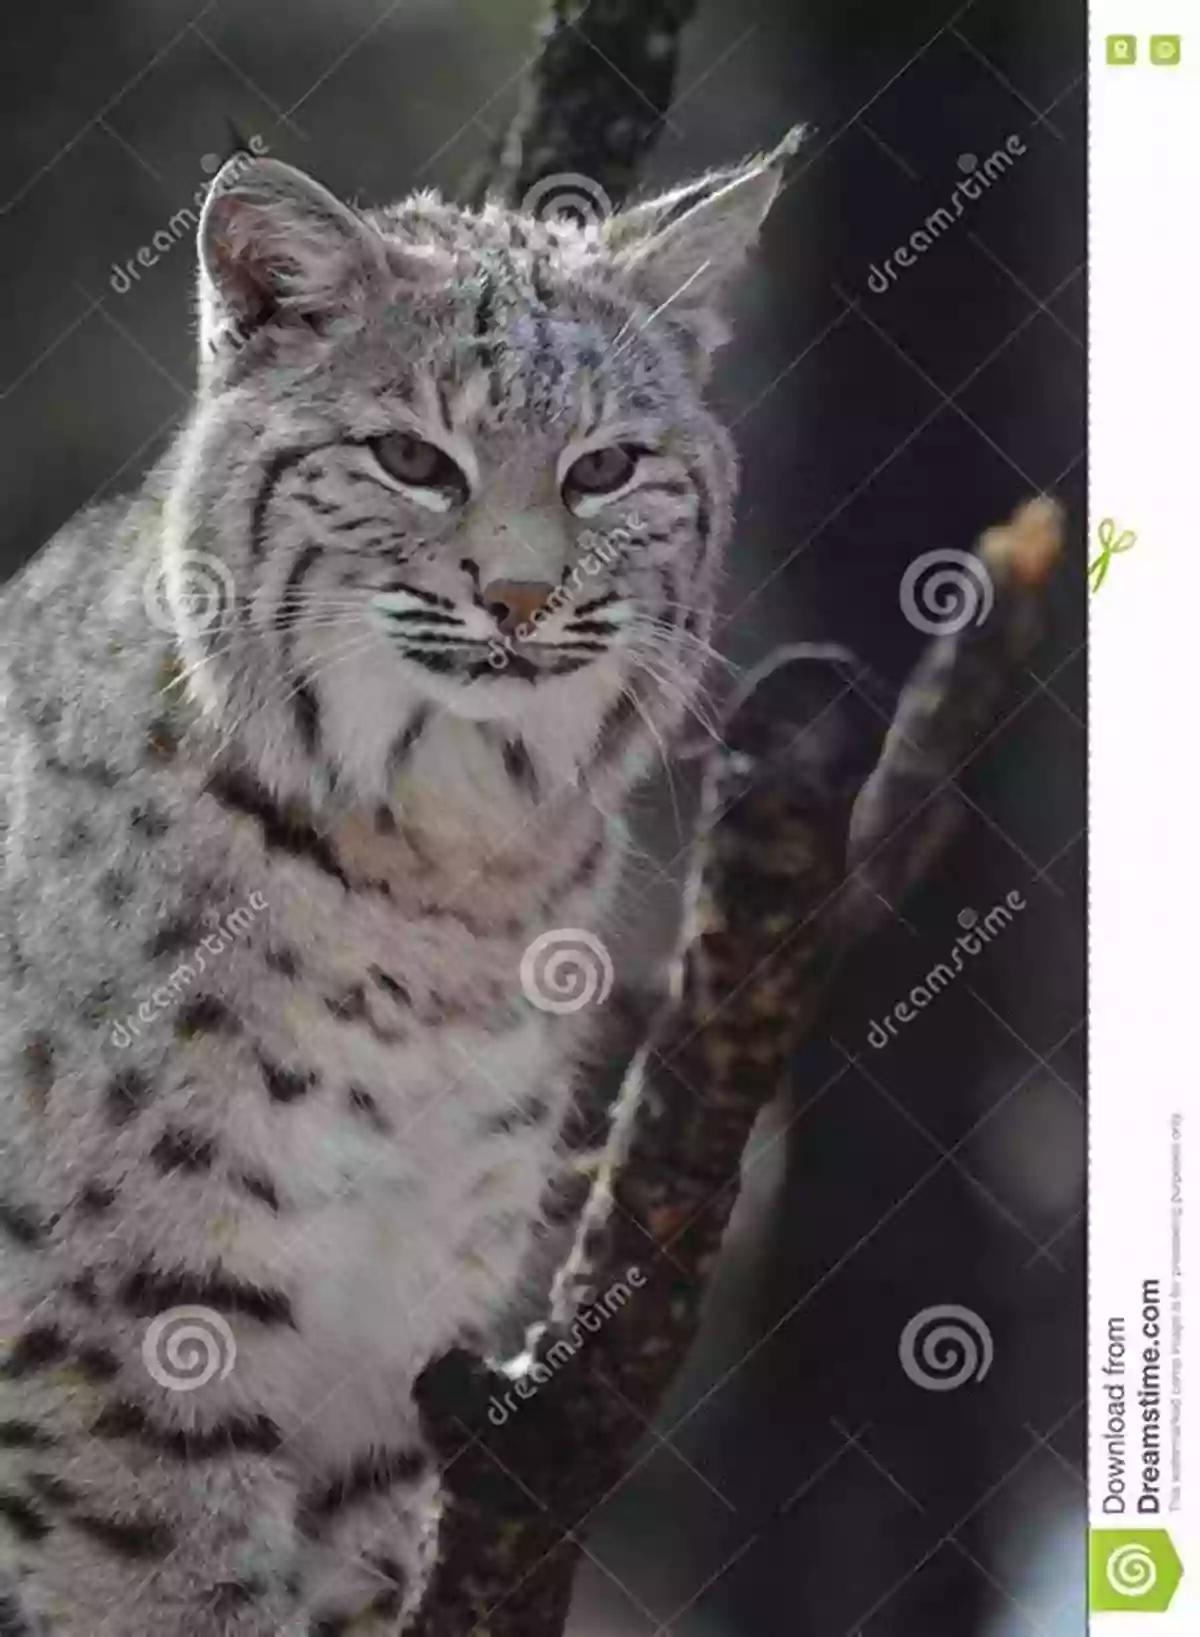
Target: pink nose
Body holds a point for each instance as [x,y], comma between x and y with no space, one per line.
[513,603]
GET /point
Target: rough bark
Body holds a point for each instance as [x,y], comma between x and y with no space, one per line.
[595,98]
[802,825]
[812,815]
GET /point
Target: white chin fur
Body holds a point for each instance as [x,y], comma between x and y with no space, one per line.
[489,699]
[496,697]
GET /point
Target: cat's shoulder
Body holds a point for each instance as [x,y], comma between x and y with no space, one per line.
[80,602]
[78,650]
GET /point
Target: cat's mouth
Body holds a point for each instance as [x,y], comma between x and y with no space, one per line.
[499,658]
[467,646]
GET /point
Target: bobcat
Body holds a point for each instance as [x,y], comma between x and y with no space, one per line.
[314,753]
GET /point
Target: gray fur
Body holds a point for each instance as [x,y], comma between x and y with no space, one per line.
[270,867]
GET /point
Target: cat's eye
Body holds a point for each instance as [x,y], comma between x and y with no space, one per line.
[410,459]
[601,471]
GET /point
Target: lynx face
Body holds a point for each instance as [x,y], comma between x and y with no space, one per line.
[454,460]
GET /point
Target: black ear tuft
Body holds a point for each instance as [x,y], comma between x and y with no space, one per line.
[238,144]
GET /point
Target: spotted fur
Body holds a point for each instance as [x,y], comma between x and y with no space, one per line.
[271,860]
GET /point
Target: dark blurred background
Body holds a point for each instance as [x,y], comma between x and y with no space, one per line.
[802,1480]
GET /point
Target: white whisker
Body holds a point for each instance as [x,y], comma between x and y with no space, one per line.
[631,694]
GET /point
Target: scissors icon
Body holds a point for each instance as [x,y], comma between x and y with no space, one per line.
[1111,543]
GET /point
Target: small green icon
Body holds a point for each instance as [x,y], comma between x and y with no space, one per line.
[1111,544]
[1132,1570]
[1164,49]
[1121,48]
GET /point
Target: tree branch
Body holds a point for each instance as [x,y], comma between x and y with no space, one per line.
[792,809]
[906,809]
[807,823]
[595,99]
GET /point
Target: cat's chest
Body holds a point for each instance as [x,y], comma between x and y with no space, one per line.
[424,1085]
[418,1169]
[416,1027]
[415,1173]
[414,948]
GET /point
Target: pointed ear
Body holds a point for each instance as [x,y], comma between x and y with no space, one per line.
[278,249]
[680,249]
